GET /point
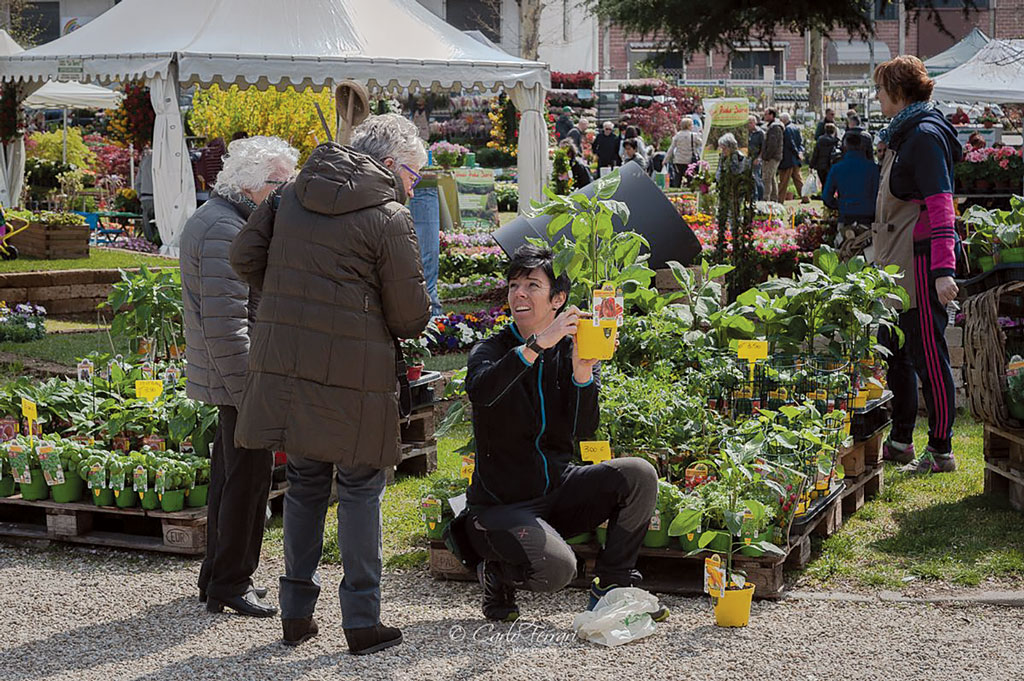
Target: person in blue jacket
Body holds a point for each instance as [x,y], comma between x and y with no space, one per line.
[851,186]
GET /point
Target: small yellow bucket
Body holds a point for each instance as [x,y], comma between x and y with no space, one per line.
[596,342]
[733,610]
[861,400]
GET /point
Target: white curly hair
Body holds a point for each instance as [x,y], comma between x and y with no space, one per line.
[250,162]
[390,136]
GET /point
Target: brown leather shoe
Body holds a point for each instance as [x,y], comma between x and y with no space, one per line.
[372,639]
[298,630]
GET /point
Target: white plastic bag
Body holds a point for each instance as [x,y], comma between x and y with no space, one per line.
[810,185]
[622,615]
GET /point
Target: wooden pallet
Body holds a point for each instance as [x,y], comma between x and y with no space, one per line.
[420,425]
[1004,465]
[52,243]
[860,488]
[859,456]
[182,532]
[670,570]
[418,458]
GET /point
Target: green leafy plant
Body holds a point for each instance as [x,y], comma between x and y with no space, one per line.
[148,304]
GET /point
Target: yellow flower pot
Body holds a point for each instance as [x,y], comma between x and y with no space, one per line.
[596,342]
[733,610]
[861,400]
[874,391]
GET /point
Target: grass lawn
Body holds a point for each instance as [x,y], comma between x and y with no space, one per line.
[939,527]
[405,541]
[99,259]
[450,362]
[66,349]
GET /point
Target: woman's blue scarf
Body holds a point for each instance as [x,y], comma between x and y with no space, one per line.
[902,117]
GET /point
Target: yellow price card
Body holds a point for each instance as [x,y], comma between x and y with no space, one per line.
[468,466]
[149,390]
[596,452]
[751,350]
[28,409]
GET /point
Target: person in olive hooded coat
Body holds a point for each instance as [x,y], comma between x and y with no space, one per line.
[338,265]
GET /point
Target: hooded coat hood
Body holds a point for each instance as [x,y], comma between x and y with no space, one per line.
[337,180]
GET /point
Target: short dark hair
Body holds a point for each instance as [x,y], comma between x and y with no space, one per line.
[631,131]
[831,129]
[853,119]
[629,142]
[527,258]
[853,141]
[773,112]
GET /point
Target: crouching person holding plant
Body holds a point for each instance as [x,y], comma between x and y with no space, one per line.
[218,310]
[533,400]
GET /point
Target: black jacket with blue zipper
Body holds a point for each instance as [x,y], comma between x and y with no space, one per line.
[527,418]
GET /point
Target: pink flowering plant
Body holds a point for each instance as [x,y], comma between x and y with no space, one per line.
[448,155]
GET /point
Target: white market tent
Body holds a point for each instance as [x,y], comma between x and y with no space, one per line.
[388,44]
[994,74]
[65,96]
[954,56]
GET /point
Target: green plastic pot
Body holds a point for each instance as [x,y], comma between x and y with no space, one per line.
[7,486]
[986,263]
[656,539]
[438,531]
[69,491]
[689,542]
[37,490]
[581,538]
[125,498]
[103,497]
[720,543]
[150,500]
[172,500]
[1016,410]
[1011,255]
[196,496]
[754,552]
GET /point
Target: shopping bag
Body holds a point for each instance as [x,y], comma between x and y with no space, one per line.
[810,185]
[621,616]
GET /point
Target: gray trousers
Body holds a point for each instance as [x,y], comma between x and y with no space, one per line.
[770,177]
[360,491]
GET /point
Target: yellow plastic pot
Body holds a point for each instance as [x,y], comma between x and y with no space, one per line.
[733,610]
[861,400]
[874,391]
[596,342]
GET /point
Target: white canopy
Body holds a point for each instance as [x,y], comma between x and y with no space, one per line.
[268,43]
[954,56]
[994,74]
[70,95]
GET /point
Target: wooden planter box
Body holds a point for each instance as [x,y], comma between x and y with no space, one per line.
[49,242]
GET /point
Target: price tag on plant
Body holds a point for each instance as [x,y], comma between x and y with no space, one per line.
[147,369]
[18,458]
[752,350]
[49,461]
[96,478]
[596,452]
[117,480]
[608,305]
[160,483]
[431,511]
[714,577]
[148,390]
[85,368]
[171,376]
[140,479]
[468,466]
[655,523]
[28,409]
[748,529]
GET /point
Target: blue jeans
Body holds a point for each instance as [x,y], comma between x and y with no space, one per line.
[360,491]
[758,183]
[426,215]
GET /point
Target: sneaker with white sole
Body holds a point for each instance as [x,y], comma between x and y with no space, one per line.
[931,462]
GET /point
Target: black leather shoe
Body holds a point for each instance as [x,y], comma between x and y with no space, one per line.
[372,639]
[298,630]
[260,591]
[246,604]
[499,595]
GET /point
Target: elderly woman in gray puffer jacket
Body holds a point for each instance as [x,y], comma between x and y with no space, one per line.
[338,267]
[219,308]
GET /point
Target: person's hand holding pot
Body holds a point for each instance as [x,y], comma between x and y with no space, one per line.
[946,289]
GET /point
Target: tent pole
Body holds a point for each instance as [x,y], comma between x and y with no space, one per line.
[131,165]
[65,150]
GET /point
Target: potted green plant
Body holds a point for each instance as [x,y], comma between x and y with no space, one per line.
[147,305]
[197,496]
[692,503]
[172,481]
[732,503]
[435,510]
[21,458]
[669,501]
[70,456]
[120,476]
[596,257]
[93,470]
[415,350]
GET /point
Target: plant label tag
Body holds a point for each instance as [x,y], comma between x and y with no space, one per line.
[117,480]
[752,350]
[655,524]
[18,459]
[85,368]
[147,369]
[748,531]
[458,504]
[29,410]
[596,452]
[607,305]
[431,511]
[148,390]
[53,472]
[96,478]
[468,466]
[171,376]
[714,577]
[160,484]
[154,442]
[696,475]
[140,479]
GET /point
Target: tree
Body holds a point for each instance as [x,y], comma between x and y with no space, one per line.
[529,28]
[816,73]
[13,20]
[701,26]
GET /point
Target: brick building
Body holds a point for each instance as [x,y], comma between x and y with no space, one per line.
[620,53]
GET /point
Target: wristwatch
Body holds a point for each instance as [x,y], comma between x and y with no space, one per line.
[532,344]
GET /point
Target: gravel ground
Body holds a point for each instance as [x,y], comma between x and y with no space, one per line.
[75,613]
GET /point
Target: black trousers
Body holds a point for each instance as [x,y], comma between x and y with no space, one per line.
[925,357]
[527,537]
[236,514]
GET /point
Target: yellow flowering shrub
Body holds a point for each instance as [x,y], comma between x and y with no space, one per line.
[290,115]
[49,146]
